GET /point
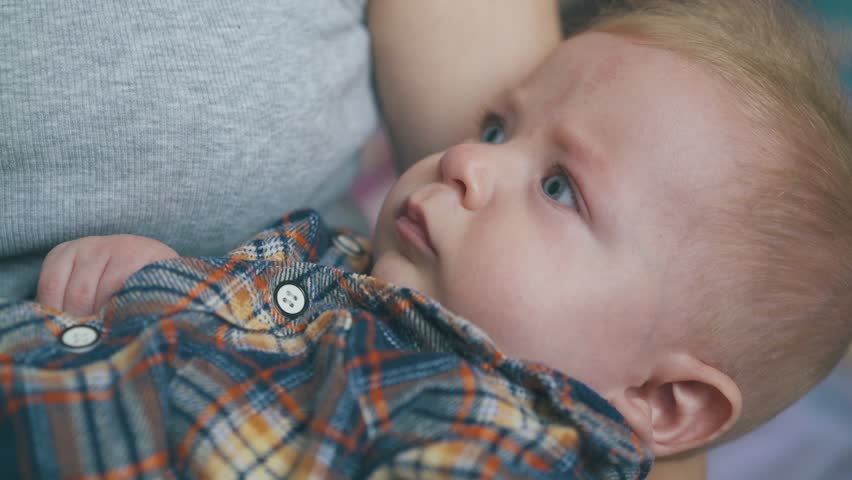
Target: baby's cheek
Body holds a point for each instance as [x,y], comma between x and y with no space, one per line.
[495,303]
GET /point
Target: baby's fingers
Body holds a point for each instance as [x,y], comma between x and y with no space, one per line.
[70,275]
[83,283]
[79,276]
[54,275]
[114,274]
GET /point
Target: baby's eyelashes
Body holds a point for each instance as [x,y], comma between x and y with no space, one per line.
[491,129]
[558,187]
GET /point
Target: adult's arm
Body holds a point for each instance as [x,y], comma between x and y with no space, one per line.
[439,62]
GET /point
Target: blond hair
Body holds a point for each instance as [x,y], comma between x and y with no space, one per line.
[781,327]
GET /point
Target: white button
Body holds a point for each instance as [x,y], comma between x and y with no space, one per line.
[290,299]
[348,245]
[79,337]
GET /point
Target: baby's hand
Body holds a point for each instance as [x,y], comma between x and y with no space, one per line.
[80,275]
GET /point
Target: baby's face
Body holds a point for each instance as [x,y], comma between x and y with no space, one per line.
[561,231]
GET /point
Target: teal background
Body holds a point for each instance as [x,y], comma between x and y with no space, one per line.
[837,15]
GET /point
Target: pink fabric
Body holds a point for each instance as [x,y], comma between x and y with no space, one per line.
[378,172]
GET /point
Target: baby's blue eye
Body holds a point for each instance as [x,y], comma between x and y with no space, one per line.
[492,132]
[558,187]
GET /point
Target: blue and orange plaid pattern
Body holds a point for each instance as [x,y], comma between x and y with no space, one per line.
[196,373]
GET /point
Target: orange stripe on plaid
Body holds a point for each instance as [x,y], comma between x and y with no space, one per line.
[214,277]
[50,321]
[6,372]
[481,432]
[156,461]
[364,360]
[6,376]
[59,362]
[205,416]
[220,336]
[566,396]
[302,242]
[468,392]
[343,282]
[401,305]
[289,403]
[260,283]
[491,467]
[347,440]
[109,314]
[535,461]
[318,425]
[637,444]
[378,399]
[169,331]
[143,367]
[337,341]
[487,434]
[56,397]
[292,326]
[66,397]
[208,413]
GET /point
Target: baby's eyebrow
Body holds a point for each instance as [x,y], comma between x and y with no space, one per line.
[512,102]
[582,149]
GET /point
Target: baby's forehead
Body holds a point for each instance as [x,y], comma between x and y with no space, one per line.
[592,67]
[599,57]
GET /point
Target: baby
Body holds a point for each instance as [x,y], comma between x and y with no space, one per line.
[662,211]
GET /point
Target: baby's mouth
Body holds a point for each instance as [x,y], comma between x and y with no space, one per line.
[412,227]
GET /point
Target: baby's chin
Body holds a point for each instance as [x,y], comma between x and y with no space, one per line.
[395,268]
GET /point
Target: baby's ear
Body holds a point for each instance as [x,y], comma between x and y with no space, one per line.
[685,404]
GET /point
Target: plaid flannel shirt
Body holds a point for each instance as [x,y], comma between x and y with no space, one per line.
[280,360]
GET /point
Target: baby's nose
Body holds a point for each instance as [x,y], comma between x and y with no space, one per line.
[468,168]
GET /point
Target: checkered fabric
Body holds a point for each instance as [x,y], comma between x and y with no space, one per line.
[198,370]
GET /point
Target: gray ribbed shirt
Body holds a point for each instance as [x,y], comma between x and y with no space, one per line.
[195,122]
